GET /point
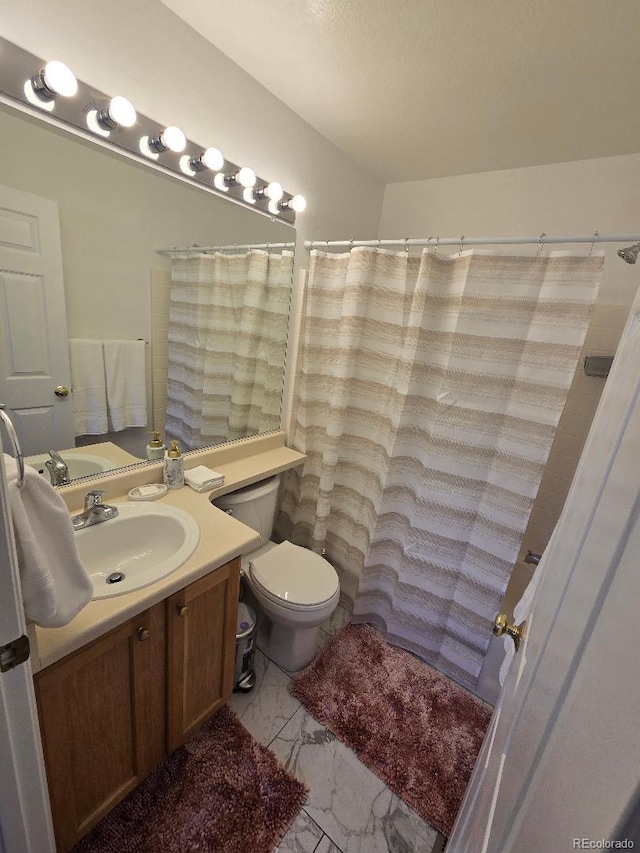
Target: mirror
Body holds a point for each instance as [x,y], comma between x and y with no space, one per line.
[114,214]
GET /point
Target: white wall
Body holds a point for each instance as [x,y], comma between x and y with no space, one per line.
[140,49]
[563,198]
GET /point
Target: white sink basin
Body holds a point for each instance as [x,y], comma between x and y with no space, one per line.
[144,543]
[79,464]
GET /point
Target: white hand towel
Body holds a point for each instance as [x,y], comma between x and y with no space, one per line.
[202,478]
[520,614]
[55,584]
[89,393]
[125,368]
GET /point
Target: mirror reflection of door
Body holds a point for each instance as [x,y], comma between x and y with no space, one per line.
[34,354]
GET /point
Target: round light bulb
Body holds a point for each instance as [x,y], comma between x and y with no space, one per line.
[274,191]
[220,184]
[173,138]
[185,165]
[246,177]
[298,203]
[59,78]
[122,111]
[273,207]
[146,149]
[212,159]
[248,196]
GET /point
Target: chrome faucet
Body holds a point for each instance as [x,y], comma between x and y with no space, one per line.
[94,510]
[58,470]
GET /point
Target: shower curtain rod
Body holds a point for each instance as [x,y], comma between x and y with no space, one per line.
[236,246]
[541,239]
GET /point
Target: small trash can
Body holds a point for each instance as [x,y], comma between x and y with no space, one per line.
[244,678]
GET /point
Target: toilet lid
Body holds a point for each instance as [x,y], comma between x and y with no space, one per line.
[295,574]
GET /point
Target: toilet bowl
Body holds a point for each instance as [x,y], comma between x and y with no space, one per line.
[295,588]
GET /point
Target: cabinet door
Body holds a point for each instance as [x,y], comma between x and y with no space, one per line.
[201,621]
[103,721]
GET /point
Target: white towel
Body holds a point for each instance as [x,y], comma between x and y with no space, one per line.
[89,394]
[55,584]
[520,614]
[126,372]
[202,478]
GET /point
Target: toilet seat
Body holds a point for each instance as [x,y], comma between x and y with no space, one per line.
[295,577]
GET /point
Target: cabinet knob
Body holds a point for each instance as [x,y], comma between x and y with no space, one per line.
[182,609]
[143,634]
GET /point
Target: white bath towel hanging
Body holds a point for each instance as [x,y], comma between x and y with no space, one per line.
[125,369]
[55,584]
[89,394]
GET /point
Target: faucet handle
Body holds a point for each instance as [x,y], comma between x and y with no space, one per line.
[94,498]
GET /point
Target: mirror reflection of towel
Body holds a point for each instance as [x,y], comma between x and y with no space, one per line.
[89,394]
[125,372]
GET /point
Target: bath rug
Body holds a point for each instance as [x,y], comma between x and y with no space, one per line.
[413,727]
[221,791]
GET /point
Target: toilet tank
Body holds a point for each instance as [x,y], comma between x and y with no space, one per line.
[253,505]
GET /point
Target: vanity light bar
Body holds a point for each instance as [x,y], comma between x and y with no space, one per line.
[36,87]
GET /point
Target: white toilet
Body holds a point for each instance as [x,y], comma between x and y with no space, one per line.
[297,589]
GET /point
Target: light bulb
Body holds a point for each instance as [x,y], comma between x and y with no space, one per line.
[186,165]
[59,79]
[298,203]
[147,148]
[173,139]
[246,177]
[95,124]
[220,183]
[274,191]
[248,196]
[212,159]
[122,111]
[43,102]
[274,207]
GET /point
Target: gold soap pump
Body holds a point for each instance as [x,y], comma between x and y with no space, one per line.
[174,467]
[155,448]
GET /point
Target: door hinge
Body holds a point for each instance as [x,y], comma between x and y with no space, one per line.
[14,653]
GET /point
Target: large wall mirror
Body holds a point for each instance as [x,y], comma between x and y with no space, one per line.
[219,372]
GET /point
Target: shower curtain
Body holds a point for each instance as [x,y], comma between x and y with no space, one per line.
[227,341]
[430,391]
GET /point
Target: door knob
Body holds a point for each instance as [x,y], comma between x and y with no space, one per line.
[502,626]
[61,391]
[143,634]
[182,609]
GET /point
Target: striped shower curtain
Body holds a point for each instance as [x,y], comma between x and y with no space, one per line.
[227,341]
[430,391]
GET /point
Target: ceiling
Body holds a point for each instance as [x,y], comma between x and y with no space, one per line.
[413,89]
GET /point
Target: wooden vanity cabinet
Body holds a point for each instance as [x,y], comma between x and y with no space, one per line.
[103,722]
[201,625]
[112,711]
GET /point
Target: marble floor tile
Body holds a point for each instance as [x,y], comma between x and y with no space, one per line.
[338,618]
[347,801]
[303,836]
[326,846]
[266,709]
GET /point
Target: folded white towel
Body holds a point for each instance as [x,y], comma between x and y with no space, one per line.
[126,373]
[88,387]
[55,584]
[202,478]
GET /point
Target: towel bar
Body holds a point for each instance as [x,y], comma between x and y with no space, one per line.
[13,437]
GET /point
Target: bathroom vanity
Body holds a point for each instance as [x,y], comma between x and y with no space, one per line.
[123,685]
[112,711]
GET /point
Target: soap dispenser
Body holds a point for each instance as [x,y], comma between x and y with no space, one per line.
[173,467]
[155,448]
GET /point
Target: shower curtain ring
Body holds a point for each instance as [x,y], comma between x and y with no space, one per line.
[435,251]
[406,245]
[378,246]
[351,245]
[595,234]
[462,244]
[541,243]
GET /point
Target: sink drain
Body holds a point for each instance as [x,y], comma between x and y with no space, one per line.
[115,577]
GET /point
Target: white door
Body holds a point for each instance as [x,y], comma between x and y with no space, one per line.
[561,760]
[25,818]
[34,351]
